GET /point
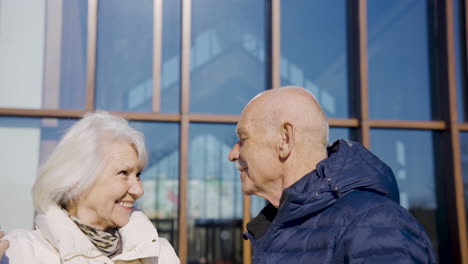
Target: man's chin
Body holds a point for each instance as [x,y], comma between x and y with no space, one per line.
[247,191]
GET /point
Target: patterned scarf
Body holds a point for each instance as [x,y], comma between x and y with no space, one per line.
[107,241]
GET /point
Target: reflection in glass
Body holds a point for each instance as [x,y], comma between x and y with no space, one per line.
[340,133]
[124,57]
[314,56]
[399,60]
[161,177]
[257,203]
[227,61]
[462,92]
[72,66]
[464,163]
[26,143]
[43,54]
[410,154]
[214,196]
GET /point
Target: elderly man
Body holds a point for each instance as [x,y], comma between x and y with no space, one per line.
[327,205]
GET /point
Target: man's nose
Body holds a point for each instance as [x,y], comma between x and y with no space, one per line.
[234,154]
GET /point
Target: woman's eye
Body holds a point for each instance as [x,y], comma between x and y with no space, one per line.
[123,172]
[138,175]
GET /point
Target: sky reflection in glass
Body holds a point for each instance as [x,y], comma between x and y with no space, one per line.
[399,60]
[314,56]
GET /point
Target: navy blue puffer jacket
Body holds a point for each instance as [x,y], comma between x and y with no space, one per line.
[345,211]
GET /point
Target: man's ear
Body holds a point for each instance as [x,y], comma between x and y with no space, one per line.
[287,140]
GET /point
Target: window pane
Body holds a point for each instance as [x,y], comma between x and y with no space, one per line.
[214,196]
[227,60]
[410,154]
[26,143]
[43,54]
[41,44]
[340,132]
[124,58]
[462,92]
[21,52]
[170,75]
[161,177]
[65,67]
[399,59]
[315,56]
[464,161]
[257,203]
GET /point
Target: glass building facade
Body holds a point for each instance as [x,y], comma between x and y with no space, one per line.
[389,74]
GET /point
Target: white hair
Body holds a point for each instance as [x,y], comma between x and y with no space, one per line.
[79,157]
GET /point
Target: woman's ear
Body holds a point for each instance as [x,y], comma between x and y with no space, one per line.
[287,140]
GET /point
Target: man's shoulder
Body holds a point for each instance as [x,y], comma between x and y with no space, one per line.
[367,208]
[361,201]
[371,216]
[367,205]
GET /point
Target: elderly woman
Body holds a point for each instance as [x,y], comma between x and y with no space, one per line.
[84,197]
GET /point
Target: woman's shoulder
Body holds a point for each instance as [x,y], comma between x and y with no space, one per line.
[167,253]
[21,237]
[26,245]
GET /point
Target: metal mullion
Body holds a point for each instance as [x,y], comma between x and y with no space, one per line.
[400,124]
[184,126]
[183,182]
[465,63]
[52,57]
[68,113]
[51,113]
[210,118]
[358,66]
[91,53]
[246,247]
[363,73]
[157,53]
[343,122]
[148,116]
[458,228]
[275,43]
[463,127]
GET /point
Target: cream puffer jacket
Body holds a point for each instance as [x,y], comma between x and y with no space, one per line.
[58,240]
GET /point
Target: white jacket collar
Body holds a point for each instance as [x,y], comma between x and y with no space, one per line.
[139,237]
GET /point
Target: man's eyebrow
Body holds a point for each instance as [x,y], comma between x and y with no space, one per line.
[240,131]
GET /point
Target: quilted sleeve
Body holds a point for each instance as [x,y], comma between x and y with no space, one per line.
[385,234]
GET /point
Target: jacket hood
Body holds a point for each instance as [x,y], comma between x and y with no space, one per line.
[349,166]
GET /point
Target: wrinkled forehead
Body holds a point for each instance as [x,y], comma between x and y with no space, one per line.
[253,125]
[257,114]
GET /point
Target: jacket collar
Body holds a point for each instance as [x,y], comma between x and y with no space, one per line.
[139,237]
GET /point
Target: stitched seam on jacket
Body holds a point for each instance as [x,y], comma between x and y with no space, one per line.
[353,219]
[84,256]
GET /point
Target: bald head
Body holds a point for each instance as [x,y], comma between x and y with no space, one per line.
[283,134]
[294,105]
